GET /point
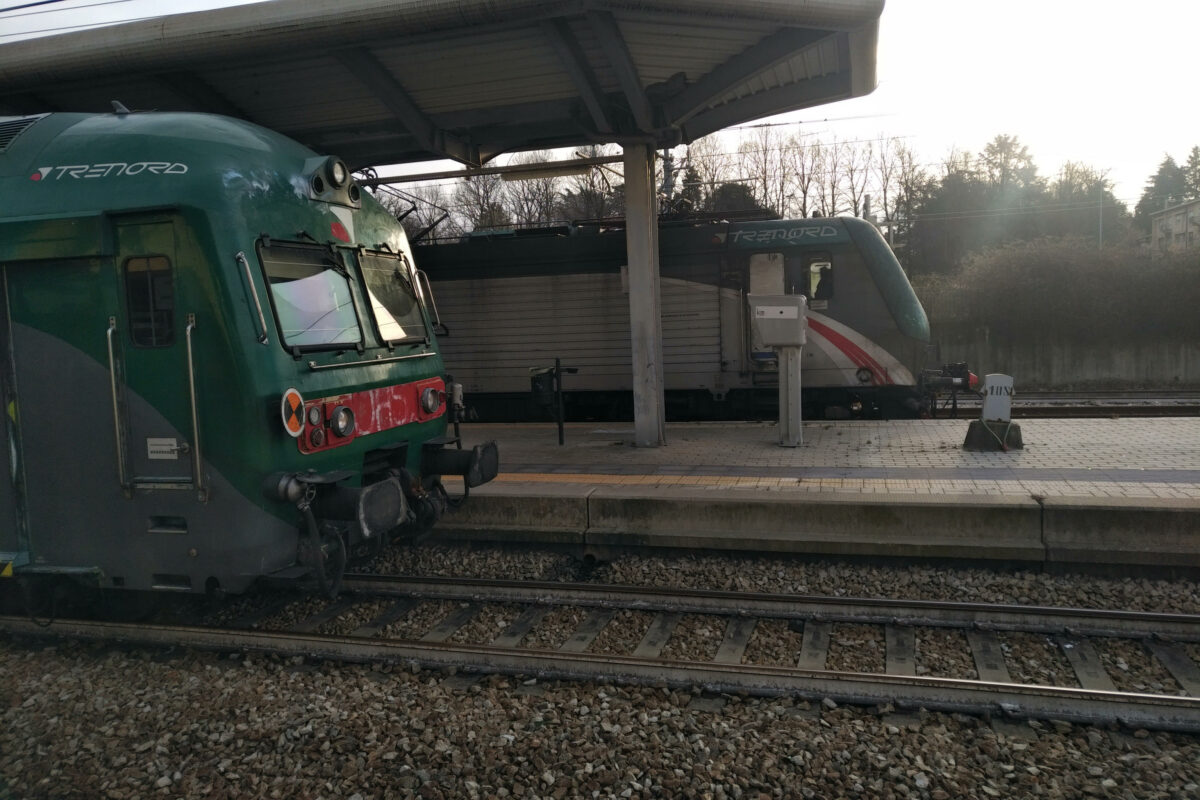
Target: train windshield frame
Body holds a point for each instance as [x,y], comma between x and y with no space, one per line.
[394,297]
[311,296]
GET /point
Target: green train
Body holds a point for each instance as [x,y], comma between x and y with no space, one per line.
[219,361]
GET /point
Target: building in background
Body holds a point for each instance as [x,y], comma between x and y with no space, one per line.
[1176,228]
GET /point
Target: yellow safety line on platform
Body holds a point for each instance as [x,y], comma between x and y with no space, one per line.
[972,486]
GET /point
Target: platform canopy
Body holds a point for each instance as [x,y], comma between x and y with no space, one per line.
[390,81]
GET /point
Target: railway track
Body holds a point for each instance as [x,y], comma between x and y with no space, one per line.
[373,605]
[1032,405]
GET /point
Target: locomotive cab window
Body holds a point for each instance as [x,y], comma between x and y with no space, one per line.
[820,281]
[310,291]
[150,293]
[393,296]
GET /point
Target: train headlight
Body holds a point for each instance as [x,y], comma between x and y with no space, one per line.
[342,421]
[314,415]
[864,375]
[337,173]
[432,399]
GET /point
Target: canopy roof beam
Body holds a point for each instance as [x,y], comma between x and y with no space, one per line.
[566,46]
[619,57]
[811,92]
[367,70]
[770,51]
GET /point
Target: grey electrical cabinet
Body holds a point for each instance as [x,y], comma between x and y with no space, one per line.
[779,320]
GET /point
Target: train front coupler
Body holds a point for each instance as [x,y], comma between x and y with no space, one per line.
[476,466]
[336,517]
[952,379]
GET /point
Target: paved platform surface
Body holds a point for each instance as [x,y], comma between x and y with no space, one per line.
[1115,490]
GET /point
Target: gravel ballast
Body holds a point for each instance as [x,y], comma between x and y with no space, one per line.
[83,721]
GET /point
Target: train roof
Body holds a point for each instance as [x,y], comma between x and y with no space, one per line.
[63,162]
[63,174]
[601,244]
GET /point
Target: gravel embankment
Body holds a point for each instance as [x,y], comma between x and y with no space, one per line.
[82,722]
[88,722]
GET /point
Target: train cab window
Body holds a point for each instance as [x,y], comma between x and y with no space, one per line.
[394,303]
[310,291]
[150,292]
[820,281]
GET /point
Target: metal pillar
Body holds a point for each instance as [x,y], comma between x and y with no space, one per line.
[645,318]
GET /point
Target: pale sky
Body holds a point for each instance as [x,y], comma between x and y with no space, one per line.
[1111,84]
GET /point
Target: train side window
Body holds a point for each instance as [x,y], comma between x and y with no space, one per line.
[150,292]
[310,292]
[820,277]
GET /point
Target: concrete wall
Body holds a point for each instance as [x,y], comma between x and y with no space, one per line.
[1169,365]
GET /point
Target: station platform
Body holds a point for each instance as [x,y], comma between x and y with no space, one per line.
[1100,491]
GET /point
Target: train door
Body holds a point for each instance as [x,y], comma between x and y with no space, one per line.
[58,403]
[14,542]
[152,359]
[766,277]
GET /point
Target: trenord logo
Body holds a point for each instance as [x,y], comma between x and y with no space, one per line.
[109,170]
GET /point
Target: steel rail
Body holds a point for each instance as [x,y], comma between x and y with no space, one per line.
[923,613]
[944,694]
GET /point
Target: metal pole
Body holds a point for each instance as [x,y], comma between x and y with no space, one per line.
[558,397]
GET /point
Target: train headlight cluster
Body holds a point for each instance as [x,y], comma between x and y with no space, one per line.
[330,181]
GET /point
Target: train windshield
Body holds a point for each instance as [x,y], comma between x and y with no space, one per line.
[394,302]
[310,290]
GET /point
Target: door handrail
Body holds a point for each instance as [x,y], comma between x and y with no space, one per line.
[197,458]
[263,338]
[112,377]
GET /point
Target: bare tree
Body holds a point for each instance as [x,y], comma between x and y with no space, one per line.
[762,160]
[533,200]
[806,159]
[887,176]
[958,162]
[829,179]
[480,200]
[856,173]
[593,194]
[914,184]
[710,160]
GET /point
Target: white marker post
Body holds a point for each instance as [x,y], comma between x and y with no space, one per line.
[994,430]
[781,322]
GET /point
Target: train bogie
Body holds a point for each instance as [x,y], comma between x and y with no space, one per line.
[218,360]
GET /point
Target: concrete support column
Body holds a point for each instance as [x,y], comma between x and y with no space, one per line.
[645,315]
[790,425]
